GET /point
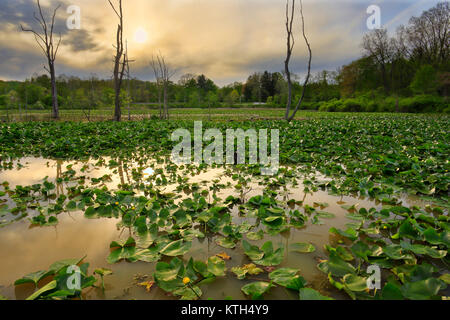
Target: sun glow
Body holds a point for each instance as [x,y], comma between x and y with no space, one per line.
[140,36]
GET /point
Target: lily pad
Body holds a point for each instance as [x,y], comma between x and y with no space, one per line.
[302,247]
[216,266]
[288,278]
[176,248]
[355,283]
[250,269]
[228,243]
[266,256]
[50,286]
[256,289]
[311,294]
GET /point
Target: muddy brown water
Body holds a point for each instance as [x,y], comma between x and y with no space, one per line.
[25,249]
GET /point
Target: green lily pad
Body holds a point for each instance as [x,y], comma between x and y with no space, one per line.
[228,243]
[311,294]
[424,250]
[350,233]
[422,290]
[34,278]
[407,230]
[302,247]
[188,293]
[216,266]
[445,278]
[288,278]
[250,269]
[391,292]
[338,266]
[355,283]
[103,271]
[256,289]
[176,248]
[255,236]
[50,286]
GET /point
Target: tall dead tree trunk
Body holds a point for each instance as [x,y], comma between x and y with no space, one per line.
[127,68]
[158,78]
[45,41]
[119,62]
[163,74]
[290,46]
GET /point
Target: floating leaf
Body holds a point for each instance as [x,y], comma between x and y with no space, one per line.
[103,271]
[422,290]
[147,284]
[391,292]
[216,266]
[337,266]
[288,278]
[350,233]
[266,256]
[424,250]
[302,247]
[188,293]
[50,286]
[355,283]
[34,278]
[311,294]
[250,269]
[256,289]
[223,256]
[176,248]
[255,236]
[228,243]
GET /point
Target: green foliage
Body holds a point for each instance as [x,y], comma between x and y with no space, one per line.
[425,81]
[256,289]
[58,288]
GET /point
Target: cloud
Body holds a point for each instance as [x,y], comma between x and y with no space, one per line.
[81,40]
[224,39]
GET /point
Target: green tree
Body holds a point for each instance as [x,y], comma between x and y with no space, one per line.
[194,99]
[233,97]
[425,81]
[212,100]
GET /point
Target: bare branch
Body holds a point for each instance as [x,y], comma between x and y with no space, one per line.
[290,46]
[112,6]
[309,64]
[45,42]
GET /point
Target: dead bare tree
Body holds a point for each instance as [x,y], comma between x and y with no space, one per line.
[127,70]
[44,39]
[119,61]
[158,79]
[163,75]
[290,15]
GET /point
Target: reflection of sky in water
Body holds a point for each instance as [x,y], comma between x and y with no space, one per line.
[148,172]
[24,250]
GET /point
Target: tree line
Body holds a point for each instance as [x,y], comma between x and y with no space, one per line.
[406,72]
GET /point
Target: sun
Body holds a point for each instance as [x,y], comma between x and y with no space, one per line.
[140,36]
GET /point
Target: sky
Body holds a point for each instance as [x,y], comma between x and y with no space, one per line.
[226,40]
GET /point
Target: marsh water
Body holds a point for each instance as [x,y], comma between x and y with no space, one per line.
[25,248]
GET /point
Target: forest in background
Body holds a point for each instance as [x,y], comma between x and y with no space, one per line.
[407,72]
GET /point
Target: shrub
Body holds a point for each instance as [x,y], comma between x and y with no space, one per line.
[425,80]
[388,105]
[49,103]
[353,105]
[3,100]
[422,103]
